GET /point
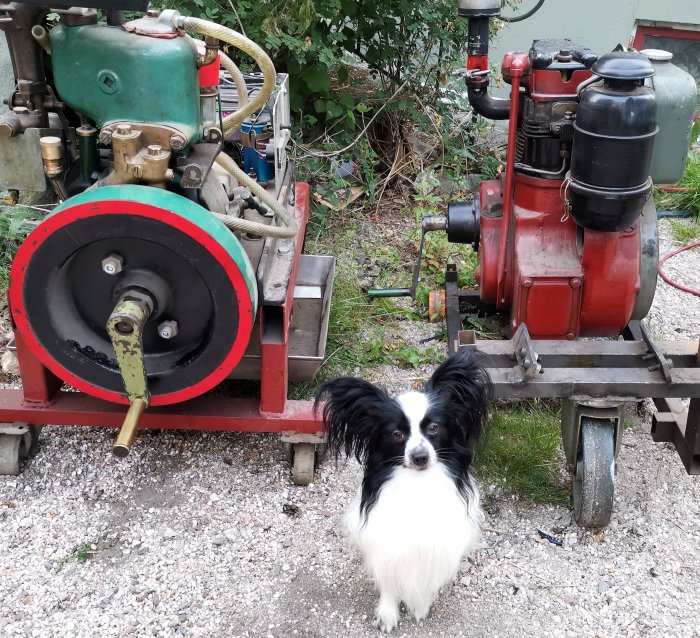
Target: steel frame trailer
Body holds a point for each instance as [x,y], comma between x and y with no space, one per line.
[595,379]
[41,400]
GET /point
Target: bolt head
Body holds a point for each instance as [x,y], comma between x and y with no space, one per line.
[123,129]
[177,142]
[113,264]
[154,150]
[167,329]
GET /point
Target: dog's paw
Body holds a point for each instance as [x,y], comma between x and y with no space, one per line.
[421,613]
[387,616]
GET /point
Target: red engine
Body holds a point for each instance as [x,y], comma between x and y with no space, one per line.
[567,238]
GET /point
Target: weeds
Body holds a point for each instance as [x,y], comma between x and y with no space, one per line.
[80,554]
[518,452]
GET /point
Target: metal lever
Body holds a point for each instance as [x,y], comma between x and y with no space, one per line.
[125,329]
[433,222]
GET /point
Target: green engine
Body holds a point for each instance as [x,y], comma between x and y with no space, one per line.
[113,75]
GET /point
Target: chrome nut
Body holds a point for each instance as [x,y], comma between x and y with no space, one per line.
[167,329]
[113,264]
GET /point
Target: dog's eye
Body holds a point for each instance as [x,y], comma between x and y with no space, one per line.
[398,435]
[432,429]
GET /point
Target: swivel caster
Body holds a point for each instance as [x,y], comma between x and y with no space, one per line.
[594,473]
[303,464]
[304,453]
[17,442]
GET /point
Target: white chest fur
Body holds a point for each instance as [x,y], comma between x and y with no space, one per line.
[416,534]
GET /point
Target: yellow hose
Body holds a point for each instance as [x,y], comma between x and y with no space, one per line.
[290,228]
[238,79]
[239,41]
[247,106]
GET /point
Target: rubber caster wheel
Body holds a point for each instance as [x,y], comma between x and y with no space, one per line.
[594,477]
[18,441]
[303,463]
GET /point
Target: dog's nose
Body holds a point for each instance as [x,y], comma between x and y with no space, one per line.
[420,458]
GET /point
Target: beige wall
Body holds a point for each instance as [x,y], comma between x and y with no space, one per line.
[598,24]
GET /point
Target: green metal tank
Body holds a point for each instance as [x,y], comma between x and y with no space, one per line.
[676,96]
[110,75]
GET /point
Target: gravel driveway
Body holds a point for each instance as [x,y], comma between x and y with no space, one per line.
[203,535]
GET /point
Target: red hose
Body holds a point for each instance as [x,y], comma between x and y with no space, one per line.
[673,283]
[675,189]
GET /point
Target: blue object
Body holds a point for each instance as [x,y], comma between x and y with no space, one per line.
[255,136]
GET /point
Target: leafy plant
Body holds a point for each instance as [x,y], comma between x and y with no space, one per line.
[399,41]
[15,223]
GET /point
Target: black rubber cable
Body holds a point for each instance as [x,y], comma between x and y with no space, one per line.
[524,16]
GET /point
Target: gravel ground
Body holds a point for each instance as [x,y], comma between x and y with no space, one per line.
[203,535]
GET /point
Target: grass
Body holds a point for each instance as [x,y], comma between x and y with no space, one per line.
[14,226]
[689,200]
[518,452]
[685,231]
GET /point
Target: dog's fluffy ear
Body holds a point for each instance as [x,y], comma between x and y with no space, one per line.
[351,414]
[465,388]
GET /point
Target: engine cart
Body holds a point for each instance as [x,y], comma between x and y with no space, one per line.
[567,243]
[173,261]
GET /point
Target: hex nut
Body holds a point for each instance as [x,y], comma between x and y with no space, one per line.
[113,264]
[167,329]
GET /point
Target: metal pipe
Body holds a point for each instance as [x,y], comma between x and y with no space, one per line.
[130,427]
[59,187]
[376,293]
[27,62]
[516,71]
[493,108]
[87,145]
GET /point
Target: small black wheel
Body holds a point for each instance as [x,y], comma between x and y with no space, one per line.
[594,476]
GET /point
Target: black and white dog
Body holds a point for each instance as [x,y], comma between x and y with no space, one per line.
[417,511]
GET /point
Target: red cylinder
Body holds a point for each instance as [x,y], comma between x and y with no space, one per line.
[209,74]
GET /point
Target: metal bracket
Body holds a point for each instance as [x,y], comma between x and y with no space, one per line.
[523,352]
[664,363]
[300,437]
[429,224]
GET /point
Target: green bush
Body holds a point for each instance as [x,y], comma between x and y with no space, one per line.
[398,40]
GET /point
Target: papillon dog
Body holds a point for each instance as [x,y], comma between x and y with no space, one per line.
[416,513]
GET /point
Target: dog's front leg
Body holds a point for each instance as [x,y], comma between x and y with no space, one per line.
[387,611]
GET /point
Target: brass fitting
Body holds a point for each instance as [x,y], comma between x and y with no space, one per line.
[52,155]
[135,163]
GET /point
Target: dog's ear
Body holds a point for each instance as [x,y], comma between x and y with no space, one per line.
[351,414]
[465,388]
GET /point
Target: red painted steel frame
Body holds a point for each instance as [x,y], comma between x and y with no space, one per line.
[41,402]
[643,30]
